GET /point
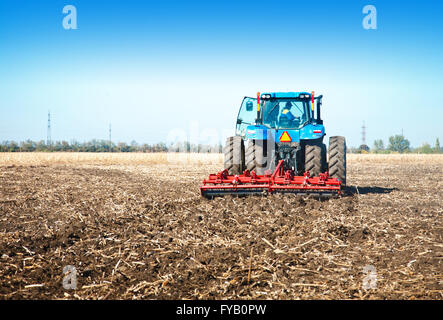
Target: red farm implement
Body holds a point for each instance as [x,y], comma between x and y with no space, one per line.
[279,181]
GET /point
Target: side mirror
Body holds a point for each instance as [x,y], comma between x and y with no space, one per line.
[249,106]
[239,121]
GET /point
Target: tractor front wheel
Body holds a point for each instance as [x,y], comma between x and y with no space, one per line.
[234,152]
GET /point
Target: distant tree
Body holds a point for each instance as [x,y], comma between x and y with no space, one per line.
[65,146]
[398,143]
[123,147]
[425,148]
[134,146]
[41,146]
[9,146]
[75,146]
[379,145]
[162,147]
[145,147]
[104,146]
[27,146]
[13,146]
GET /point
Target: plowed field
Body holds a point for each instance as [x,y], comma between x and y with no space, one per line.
[136,227]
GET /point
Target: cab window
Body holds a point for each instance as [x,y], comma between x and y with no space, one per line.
[247,115]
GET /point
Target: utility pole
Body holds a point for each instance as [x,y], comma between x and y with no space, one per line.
[48,133]
[110,137]
[363,134]
[363,145]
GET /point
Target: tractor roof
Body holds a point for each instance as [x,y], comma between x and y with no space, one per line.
[286,94]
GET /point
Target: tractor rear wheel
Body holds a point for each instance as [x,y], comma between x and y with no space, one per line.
[255,157]
[337,158]
[324,162]
[234,152]
[315,158]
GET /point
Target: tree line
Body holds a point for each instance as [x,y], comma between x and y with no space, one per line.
[104,146]
[400,144]
[397,143]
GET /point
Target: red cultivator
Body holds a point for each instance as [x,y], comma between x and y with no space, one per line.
[279,181]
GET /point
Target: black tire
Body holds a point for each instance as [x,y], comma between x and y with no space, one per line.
[255,157]
[234,152]
[315,158]
[324,162]
[337,158]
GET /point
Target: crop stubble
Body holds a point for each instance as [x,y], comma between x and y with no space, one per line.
[139,229]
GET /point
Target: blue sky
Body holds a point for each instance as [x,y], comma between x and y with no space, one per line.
[153,69]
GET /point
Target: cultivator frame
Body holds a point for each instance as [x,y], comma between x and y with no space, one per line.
[279,181]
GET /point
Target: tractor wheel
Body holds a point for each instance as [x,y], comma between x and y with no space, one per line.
[337,158]
[255,159]
[315,158]
[323,160]
[234,155]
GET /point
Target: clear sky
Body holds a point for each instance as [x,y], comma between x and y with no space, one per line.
[156,68]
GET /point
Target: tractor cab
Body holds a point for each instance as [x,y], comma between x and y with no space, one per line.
[278,113]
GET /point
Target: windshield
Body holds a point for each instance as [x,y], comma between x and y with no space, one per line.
[286,113]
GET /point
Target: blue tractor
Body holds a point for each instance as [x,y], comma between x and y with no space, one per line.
[283,126]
